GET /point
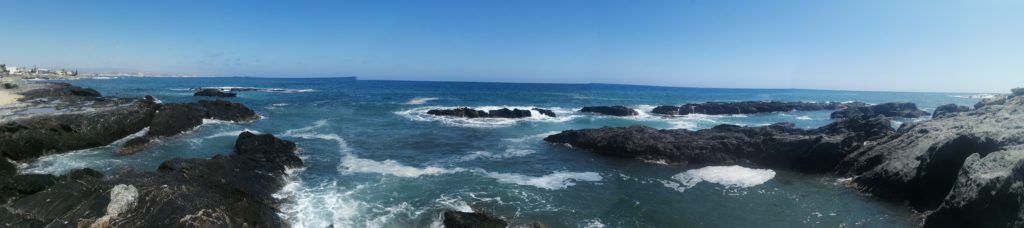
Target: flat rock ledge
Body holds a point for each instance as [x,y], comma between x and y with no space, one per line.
[224,191]
[750,107]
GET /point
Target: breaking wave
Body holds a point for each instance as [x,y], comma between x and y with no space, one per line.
[729,176]
[420,114]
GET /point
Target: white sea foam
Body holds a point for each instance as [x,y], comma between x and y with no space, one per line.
[62,163]
[258,89]
[593,223]
[730,176]
[279,104]
[553,181]
[420,100]
[508,153]
[804,118]
[353,164]
[229,134]
[975,96]
[420,114]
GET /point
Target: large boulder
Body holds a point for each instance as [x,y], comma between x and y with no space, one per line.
[892,109]
[610,110]
[750,107]
[35,136]
[779,145]
[949,109]
[213,93]
[224,191]
[989,192]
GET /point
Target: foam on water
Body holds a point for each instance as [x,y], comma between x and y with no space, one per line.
[729,176]
[258,89]
[58,164]
[353,164]
[420,114]
[420,100]
[553,181]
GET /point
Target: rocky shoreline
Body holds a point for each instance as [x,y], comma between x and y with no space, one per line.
[961,169]
[234,190]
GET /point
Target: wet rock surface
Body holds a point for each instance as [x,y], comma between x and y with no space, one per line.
[750,107]
[610,110]
[213,93]
[457,219]
[497,113]
[778,145]
[224,191]
[31,137]
[892,109]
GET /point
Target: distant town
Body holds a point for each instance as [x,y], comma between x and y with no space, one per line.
[64,73]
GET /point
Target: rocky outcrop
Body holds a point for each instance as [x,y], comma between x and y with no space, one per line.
[173,119]
[458,219]
[497,113]
[750,107]
[948,110]
[965,168]
[213,93]
[778,145]
[31,137]
[1019,91]
[59,90]
[610,110]
[893,109]
[224,191]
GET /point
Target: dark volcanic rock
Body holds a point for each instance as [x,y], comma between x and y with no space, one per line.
[224,191]
[750,107]
[213,93]
[134,145]
[610,110]
[473,113]
[1017,91]
[59,90]
[267,148]
[545,112]
[457,219]
[172,119]
[32,137]
[966,167]
[905,110]
[949,109]
[779,145]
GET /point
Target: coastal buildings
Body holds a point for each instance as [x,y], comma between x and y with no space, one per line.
[35,72]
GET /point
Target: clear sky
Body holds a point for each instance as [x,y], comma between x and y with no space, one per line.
[972,46]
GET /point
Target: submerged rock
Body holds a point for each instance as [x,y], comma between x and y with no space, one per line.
[224,191]
[610,110]
[545,112]
[892,109]
[778,145]
[497,113]
[213,93]
[949,109]
[750,107]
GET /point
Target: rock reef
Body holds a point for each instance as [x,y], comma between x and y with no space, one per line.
[213,93]
[892,109]
[224,191]
[610,110]
[750,107]
[465,112]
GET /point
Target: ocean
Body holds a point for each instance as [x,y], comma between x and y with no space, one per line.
[374,158]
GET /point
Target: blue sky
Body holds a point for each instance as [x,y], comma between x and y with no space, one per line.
[975,46]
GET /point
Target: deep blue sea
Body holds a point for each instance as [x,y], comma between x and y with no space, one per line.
[374,158]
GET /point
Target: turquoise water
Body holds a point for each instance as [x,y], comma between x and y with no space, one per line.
[375,159]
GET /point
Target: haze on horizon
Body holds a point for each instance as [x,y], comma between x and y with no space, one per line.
[950,46]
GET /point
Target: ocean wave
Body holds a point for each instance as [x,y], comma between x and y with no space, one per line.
[420,114]
[554,181]
[974,96]
[508,153]
[729,176]
[257,89]
[420,100]
[58,164]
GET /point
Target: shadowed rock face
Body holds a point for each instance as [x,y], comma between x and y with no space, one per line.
[749,107]
[905,110]
[57,90]
[610,110]
[497,113]
[779,145]
[948,110]
[32,137]
[213,93]
[176,118]
[224,191]
[457,219]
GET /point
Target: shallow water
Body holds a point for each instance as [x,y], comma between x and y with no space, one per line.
[375,159]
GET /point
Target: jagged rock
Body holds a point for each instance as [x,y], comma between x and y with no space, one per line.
[778,145]
[610,110]
[213,93]
[458,219]
[545,112]
[997,100]
[920,163]
[949,109]
[989,192]
[224,191]
[1019,91]
[750,107]
[893,109]
[172,119]
[473,113]
[59,90]
[32,137]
